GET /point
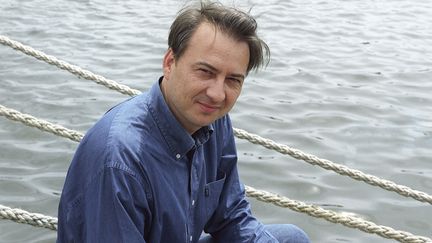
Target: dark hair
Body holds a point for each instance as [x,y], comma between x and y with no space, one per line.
[231,21]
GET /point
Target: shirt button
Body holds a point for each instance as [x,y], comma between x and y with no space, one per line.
[178,156]
[190,238]
[193,202]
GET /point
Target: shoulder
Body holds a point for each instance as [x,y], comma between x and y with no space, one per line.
[118,136]
[112,147]
[131,129]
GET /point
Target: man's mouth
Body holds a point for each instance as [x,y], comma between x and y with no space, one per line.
[207,108]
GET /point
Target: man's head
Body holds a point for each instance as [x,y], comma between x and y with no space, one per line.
[233,22]
[211,50]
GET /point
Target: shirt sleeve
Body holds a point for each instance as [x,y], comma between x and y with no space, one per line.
[233,220]
[113,208]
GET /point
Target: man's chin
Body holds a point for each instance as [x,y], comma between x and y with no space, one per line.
[208,121]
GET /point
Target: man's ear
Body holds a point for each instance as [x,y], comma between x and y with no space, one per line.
[168,62]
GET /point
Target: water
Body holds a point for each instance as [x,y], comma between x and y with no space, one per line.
[349,81]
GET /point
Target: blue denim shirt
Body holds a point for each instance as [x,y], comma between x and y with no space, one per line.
[138,176]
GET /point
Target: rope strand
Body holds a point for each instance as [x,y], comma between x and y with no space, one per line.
[334,217]
[329,165]
[24,217]
[40,124]
[81,73]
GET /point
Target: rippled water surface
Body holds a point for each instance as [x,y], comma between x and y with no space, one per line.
[349,81]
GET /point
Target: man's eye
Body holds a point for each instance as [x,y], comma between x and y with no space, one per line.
[204,71]
[235,80]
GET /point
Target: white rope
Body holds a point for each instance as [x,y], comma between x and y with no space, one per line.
[40,124]
[329,165]
[68,67]
[24,217]
[253,138]
[334,217]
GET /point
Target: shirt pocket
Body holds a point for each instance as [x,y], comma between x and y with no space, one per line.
[212,193]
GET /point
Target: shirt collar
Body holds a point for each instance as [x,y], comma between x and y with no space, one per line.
[177,138]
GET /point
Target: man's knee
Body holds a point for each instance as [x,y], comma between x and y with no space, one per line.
[287,233]
[299,235]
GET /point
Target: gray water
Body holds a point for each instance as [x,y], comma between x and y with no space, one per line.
[349,81]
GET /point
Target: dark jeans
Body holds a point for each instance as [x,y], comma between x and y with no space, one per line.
[284,233]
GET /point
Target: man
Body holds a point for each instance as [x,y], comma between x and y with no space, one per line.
[162,166]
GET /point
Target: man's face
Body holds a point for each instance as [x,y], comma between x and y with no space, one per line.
[205,82]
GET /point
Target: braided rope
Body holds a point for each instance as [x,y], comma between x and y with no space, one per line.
[253,138]
[329,165]
[24,217]
[334,217]
[40,124]
[68,67]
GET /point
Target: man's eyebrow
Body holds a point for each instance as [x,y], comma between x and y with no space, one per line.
[234,75]
[207,65]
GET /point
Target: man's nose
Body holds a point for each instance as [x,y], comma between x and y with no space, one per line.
[216,90]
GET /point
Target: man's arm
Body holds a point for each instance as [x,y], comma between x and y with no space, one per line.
[113,208]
